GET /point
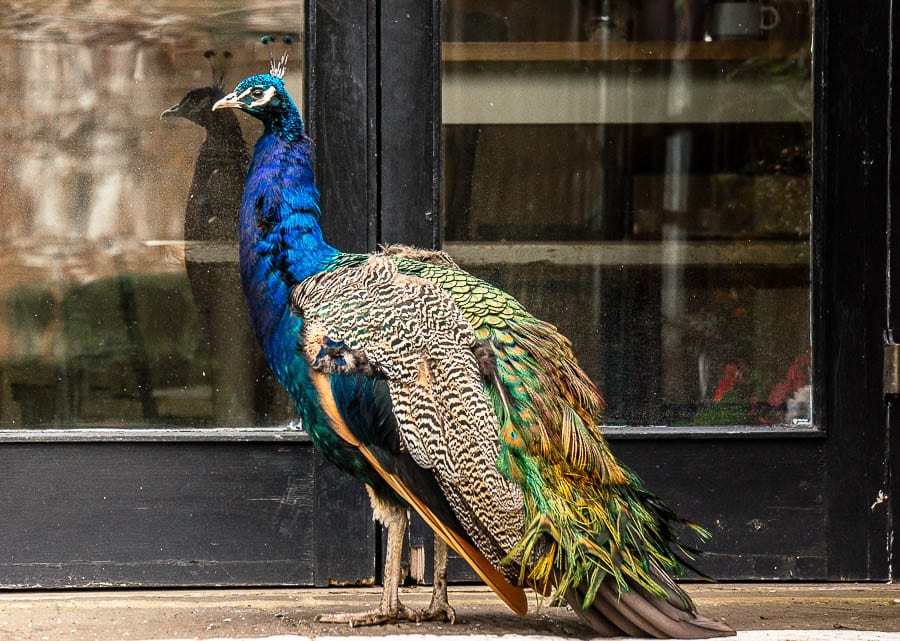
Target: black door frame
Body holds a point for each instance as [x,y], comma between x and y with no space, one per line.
[851,185]
[892,316]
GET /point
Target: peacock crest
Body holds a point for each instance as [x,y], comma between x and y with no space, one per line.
[279,68]
[218,65]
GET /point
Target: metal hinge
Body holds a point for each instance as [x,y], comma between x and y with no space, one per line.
[891,368]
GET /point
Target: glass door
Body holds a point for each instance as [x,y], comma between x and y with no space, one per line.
[640,175]
[695,192]
[122,305]
[698,202]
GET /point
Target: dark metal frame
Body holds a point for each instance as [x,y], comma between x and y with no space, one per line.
[851,185]
[373,97]
[217,507]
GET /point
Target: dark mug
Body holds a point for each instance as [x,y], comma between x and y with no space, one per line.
[737,20]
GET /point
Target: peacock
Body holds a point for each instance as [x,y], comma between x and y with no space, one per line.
[442,393]
[280,245]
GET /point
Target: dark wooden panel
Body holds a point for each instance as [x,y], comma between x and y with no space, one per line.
[148,514]
[346,540]
[850,208]
[763,500]
[337,104]
[178,514]
[409,116]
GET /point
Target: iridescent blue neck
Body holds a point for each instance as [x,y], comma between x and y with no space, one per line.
[286,124]
[280,242]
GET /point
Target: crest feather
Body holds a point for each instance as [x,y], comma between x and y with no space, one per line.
[278,69]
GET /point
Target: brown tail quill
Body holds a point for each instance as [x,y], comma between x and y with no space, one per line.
[638,614]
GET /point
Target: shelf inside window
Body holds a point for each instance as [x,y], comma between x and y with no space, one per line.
[614,51]
[734,91]
[618,253]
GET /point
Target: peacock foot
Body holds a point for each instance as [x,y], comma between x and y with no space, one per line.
[439,611]
[378,616]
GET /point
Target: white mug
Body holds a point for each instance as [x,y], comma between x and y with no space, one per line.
[736,20]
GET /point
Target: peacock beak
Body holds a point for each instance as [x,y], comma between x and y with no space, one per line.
[230,100]
[170,112]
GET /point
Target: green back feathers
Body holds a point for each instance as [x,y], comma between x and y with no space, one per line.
[545,402]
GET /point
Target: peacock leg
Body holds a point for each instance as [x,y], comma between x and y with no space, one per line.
[439,609]
[394,518]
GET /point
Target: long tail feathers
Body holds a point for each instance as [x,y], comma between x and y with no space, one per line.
[639,615]
[611,552]
[634,612]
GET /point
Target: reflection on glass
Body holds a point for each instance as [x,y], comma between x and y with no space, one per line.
[121,302]
[639,174]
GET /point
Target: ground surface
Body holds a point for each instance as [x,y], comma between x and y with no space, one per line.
[239,614]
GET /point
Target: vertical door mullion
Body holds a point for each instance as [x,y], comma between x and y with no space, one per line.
[409,122]
[850,221]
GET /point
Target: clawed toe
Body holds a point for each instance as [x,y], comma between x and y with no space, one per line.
[378,616]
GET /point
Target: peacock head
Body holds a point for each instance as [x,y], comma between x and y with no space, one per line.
[265,97]
[196,106]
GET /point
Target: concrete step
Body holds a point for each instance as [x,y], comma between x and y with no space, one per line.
[761,612]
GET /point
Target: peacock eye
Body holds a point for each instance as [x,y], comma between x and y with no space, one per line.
[257,93]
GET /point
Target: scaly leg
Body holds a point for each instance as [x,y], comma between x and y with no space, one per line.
[439,609]
[395,520]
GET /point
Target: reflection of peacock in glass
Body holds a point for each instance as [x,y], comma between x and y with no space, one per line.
[210,218]
[442,393]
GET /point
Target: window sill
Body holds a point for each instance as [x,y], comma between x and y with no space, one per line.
[287,434]
[710,432]
[291,434]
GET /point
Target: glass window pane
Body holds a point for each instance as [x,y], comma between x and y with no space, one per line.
[121,302]
[639,174]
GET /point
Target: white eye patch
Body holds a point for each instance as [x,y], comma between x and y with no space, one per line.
[259,102]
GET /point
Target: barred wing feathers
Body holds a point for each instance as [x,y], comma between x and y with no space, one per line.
[370,318]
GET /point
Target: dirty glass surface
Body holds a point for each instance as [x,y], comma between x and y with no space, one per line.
[639,174]
[120,302]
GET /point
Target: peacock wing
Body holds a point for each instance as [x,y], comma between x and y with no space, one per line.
[539,392]
[370,319]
